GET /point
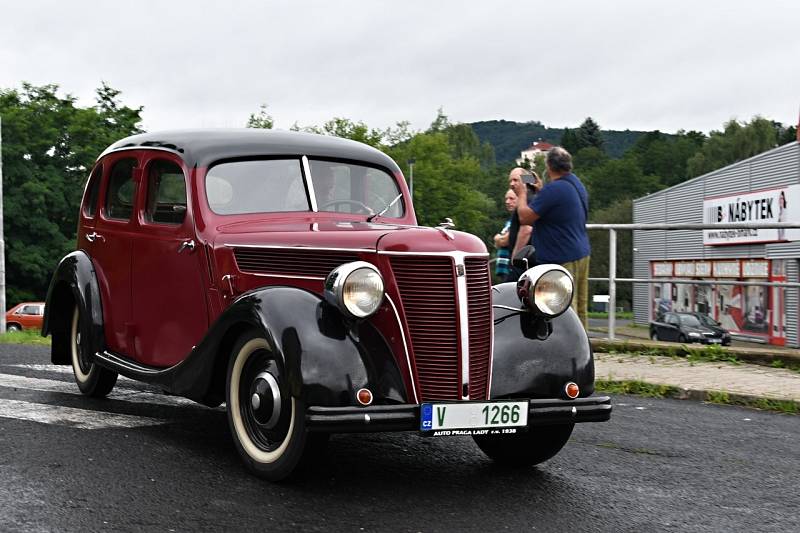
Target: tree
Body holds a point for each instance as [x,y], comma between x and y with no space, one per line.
[737,141]
[570,141]
[589,134]
[49,145]
[262,119]
[617,179]
[619,212]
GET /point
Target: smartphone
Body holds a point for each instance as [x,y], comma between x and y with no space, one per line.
[530,181]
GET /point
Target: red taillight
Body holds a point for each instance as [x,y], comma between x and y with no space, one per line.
[572,390]
[364,396]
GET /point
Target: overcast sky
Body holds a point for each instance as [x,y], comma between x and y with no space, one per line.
[639,65]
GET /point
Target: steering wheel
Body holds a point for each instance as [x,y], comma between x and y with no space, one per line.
[363,208]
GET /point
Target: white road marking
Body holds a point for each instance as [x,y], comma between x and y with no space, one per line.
[70,416]
[58,369]
[119,393]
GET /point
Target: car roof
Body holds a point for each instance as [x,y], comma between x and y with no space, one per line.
[203,147]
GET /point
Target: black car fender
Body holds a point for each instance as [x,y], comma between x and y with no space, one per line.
[535,358]
[325,358]
[74,282]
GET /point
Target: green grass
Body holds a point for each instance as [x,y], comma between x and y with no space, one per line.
[625,315]
[649,390]
[28,336]
[639,388]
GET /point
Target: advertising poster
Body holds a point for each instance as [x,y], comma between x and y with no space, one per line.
[772,205]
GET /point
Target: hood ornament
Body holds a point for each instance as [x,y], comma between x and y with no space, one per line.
[445,227]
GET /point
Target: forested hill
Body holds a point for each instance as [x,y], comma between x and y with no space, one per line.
[510,138]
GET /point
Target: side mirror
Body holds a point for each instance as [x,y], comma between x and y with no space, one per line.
[524,258]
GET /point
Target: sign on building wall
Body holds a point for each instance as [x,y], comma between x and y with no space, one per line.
[773,205]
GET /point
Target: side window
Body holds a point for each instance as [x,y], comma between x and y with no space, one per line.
[92,192]
[29,310]
[166,193]
[120,191]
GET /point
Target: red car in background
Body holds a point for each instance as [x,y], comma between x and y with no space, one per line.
[27,315]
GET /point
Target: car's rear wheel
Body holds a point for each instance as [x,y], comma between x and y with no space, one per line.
[267,422]
[92,379]
[654,335]
[535,446]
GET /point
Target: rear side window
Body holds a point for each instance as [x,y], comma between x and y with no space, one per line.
[120,191]
[256,187]
[166,193]
[92,192]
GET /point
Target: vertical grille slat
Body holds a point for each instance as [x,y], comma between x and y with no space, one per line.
[428,291]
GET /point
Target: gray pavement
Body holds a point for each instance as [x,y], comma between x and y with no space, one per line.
[151,462]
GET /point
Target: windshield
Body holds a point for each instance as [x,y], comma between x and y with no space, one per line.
[263,186]
[276,185]
[690,320]
[351,188]
[707,320]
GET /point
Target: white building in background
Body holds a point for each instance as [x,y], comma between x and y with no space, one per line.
[763,188]
[530,153]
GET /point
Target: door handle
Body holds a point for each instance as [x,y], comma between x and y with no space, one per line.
[190,244]
[94,236]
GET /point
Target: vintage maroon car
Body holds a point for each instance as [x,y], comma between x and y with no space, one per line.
[285,275]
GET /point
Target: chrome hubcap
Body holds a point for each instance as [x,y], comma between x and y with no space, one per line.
[265,400]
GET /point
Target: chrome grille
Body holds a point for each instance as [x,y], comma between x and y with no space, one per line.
[427,290]
[427,286]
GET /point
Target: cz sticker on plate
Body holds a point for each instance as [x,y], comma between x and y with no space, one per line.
[473,418]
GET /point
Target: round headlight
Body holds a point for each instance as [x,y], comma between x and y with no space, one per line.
[546,288]
[355,288]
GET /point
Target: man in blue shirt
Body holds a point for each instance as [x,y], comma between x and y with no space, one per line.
[558,213]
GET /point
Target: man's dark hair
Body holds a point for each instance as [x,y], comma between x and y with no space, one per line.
[559,160]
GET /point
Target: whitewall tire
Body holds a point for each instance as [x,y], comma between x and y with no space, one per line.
[92,379]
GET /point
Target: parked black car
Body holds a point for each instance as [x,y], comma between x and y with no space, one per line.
[689,327]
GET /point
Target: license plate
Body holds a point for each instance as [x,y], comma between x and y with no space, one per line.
[714,341]
[473,418]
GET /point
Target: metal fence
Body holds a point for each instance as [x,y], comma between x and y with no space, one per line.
[612,278]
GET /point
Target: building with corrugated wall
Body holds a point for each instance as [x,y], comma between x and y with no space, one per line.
[763,188]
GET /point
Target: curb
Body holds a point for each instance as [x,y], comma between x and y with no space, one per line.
[749,355]
[701,395]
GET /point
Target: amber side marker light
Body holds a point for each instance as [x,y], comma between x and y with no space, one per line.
[572,390]
[364,396]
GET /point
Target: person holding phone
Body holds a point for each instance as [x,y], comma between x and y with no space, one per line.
[519,234]
[559,212]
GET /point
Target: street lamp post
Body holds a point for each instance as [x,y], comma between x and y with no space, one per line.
[411,175]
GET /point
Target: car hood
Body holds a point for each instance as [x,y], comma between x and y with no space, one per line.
[361,236]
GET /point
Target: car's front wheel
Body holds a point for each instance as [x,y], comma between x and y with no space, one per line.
[267,422]
[13,327]
[92,379]
[535,446]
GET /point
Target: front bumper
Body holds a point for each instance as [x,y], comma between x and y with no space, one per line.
[378,418]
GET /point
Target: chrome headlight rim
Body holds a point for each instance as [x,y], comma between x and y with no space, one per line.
[336,284]
[529,281]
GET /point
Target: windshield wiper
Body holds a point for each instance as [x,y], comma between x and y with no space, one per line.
[385,209]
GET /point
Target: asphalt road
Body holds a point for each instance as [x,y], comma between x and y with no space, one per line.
[141,461]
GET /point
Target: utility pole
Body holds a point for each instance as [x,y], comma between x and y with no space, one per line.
[2,243]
